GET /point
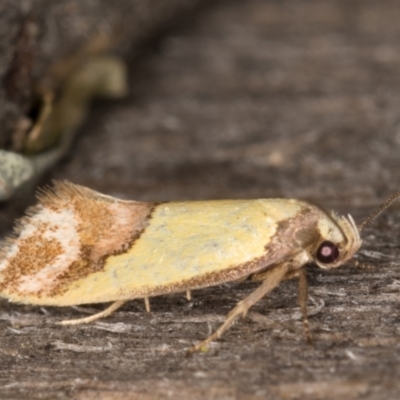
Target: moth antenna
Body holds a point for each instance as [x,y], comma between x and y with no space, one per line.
[379,210]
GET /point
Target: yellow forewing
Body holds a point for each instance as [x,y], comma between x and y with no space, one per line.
[183,241]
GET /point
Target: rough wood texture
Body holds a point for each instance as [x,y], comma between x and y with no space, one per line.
[256,99]
[42,40]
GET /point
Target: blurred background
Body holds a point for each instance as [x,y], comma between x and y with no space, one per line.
[201,99]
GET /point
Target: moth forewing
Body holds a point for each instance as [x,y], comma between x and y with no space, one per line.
[78,246]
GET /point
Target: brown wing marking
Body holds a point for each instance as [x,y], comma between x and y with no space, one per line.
[68,235]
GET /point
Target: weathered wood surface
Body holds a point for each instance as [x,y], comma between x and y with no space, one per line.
[42,41]
[255,99]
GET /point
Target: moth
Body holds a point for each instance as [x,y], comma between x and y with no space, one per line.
[78,246]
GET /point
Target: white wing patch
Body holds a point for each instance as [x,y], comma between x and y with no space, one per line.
[46,226]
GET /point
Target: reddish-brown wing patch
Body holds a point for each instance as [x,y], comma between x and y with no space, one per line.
[67,236]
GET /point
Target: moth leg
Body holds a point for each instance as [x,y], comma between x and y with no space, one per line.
[303,297]
[108,311]
[147,304]
[272,279]
[188,295]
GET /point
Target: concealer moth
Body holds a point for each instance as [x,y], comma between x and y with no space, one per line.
[78,246]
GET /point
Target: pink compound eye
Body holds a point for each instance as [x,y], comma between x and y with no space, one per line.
[327,252]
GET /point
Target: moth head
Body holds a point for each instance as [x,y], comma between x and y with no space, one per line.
[340,236]
[339,240]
